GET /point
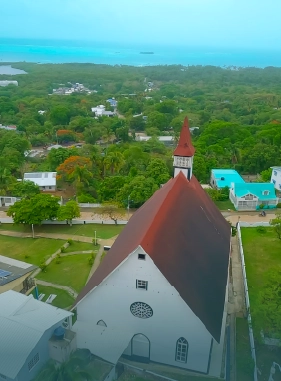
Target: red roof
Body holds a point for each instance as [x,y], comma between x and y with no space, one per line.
[188,239]
[185,147]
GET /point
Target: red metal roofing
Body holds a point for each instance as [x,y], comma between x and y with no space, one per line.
[188,239]
[185,147]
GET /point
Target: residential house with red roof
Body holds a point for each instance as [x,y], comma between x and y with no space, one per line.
[160,294]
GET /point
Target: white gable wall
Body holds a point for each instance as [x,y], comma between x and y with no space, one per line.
[276,178]
[171,320]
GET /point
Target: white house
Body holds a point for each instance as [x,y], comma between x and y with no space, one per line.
[46,181]
[276,178]
[250,196]
[100,111]
[160,294]
[28,335]
[8,201]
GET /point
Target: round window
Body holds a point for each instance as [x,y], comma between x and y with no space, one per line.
[141,310]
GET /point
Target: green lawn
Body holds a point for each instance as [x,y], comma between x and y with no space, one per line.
[244,362]
[224,205]
[63,299]
[73,271]
[88,230]
[81,246]
[29,250]
[262,252]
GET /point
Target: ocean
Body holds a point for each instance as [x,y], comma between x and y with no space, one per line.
[55,51]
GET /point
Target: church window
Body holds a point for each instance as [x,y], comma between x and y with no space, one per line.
[142,284]
[102,323]
[141,256]
[181,350]
[141,310]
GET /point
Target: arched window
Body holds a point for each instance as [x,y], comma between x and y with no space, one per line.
[181,350]
[102,323]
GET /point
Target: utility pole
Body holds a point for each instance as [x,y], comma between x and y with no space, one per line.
[95,238]
[32,230]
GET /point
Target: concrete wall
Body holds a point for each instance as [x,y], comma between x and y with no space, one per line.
[16,285]
[42,348]
[171,320]
[276,179]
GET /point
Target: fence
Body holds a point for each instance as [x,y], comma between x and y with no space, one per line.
[251,335]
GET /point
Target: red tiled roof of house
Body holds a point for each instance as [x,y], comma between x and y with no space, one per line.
[185,147]
[188,239]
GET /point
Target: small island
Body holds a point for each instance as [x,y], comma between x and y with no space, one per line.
[146,52]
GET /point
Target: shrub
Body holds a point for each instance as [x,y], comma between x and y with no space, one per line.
[261,229]
[233,231]
[261,206]
[70,241]
[43,266]
[58,259]
[84,198]
[63,249]
[91,259]
[278,205]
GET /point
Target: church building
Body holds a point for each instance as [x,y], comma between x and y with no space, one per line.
[160,294]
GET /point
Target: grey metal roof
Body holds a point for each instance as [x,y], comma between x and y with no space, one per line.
[23,321]
[15,267]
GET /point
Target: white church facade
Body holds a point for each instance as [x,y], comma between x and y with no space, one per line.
[160,294]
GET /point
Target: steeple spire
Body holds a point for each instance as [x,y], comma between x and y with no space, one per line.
[185,147]
[183,154]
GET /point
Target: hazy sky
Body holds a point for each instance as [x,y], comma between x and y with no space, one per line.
[216,23]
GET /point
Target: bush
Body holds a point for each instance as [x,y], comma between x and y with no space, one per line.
[84,198]
[261,229]
[63,249]
[70,241]
[233,231]
[91,259]
[278,205]
[43,266]
[261,206]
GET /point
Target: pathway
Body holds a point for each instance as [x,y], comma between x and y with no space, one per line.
[70,290]
[63,237]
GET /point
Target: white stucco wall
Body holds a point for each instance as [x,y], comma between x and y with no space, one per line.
[276,178]
[171,319]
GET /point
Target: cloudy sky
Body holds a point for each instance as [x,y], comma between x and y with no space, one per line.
[216,23]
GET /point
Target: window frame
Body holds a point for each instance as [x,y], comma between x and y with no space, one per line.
[141,257]
[181,355]
[141,284]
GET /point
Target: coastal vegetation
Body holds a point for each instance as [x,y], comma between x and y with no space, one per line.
[237,112]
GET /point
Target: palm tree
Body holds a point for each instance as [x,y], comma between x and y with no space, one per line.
[114,161]
[71,370]
[81,176]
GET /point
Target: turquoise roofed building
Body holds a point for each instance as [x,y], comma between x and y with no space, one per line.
[253,196]
[221,178]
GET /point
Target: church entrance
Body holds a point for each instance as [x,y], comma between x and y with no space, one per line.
[140,345]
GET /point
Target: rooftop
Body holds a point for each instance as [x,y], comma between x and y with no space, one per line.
[11,269]
[42,178]
[169,228]
[224,177]
[257,189]
[185,146]
[23,321]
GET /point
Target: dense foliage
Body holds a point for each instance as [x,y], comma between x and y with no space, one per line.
[237,110]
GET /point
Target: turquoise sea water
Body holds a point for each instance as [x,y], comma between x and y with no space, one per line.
[55,51]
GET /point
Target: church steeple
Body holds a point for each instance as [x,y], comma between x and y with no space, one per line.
[183,154]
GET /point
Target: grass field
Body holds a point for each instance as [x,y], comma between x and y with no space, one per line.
[262,252]
[244,363]
[224,205]
[63,299]
[88,230]
[81,246]
[29,250]
[73,271]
